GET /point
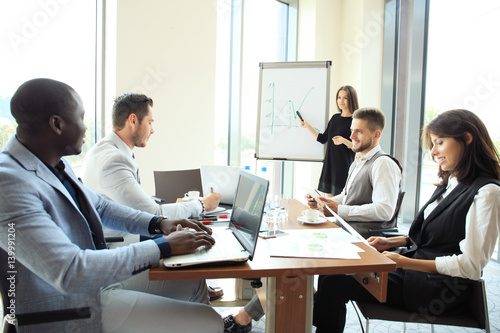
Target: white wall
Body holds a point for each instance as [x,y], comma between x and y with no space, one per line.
[166,49]
[362,49]
[350,34]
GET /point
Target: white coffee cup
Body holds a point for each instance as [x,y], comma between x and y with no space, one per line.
[311,214]
[192,195]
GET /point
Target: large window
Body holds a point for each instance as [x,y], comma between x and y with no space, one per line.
[264,40]
[462,67]
[264,25]
[249,32]
[222,81]
[51,39]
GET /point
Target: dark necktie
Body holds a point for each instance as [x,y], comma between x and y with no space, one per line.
[84,206]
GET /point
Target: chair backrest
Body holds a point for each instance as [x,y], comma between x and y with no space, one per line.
[11,323]
[170,185]
[478,305]
[393,222]
[476,314]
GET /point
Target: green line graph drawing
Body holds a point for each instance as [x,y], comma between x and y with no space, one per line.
[284,116]
[284,89]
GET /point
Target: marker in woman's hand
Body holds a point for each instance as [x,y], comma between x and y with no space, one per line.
[300,116]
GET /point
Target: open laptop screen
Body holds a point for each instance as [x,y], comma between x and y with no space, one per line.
[248,208]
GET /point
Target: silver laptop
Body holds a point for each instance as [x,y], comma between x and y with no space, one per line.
[237,242]
[221,179]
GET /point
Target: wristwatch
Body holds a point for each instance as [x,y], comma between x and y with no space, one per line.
[157,224]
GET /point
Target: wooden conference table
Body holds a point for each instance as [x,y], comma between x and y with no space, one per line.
[290,280]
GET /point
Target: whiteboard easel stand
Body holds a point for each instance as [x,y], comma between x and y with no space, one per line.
[284,89]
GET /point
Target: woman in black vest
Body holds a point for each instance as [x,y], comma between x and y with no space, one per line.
[455,231]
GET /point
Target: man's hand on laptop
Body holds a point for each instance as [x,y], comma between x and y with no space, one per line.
[186,241]
[211,201]
[168,226]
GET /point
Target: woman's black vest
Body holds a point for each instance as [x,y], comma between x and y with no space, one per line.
[439,235]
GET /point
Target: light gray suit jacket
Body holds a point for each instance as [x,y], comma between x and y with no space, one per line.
[110,171]
[56,265]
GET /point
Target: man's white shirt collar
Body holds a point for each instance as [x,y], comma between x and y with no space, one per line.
[122,146]
[368,155]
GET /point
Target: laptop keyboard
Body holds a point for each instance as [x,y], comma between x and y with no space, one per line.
[213,252]
[224,247]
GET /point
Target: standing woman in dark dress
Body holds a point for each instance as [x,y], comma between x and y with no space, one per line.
[339,155]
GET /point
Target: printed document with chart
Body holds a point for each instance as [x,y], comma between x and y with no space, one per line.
[333,243]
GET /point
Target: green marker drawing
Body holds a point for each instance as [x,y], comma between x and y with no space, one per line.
[282,114]
[319,235]
[315,247]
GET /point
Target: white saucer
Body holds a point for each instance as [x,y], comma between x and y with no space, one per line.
[306,221]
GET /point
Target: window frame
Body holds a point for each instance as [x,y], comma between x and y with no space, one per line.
[403,94]
[283,171]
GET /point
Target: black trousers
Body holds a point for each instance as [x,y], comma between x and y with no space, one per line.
[334,291]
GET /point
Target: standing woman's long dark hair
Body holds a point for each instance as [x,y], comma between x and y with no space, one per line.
[352,97]
[479,158]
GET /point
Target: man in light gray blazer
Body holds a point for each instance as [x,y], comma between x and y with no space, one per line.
[110,170]
[52,246]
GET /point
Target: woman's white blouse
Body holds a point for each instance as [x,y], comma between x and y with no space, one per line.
[482,226]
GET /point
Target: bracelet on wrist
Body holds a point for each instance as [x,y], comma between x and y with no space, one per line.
[408,241]
[203,210]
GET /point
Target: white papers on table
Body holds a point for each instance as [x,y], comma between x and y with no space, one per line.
[334,243]
[220,211]
[216,210]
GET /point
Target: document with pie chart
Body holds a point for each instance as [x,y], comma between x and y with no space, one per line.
[333,243]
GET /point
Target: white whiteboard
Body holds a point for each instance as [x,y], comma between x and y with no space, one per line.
[285,88]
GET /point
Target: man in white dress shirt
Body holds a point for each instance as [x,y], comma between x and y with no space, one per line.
[368,199]
[373,183]
[111,170]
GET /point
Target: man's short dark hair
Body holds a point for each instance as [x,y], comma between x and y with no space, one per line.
[375,118]
[35,101]
[127,104]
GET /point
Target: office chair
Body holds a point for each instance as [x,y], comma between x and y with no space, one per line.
[475,314]
[171,185]
[390,228]
[10,324]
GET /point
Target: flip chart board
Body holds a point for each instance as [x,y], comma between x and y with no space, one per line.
[284,89]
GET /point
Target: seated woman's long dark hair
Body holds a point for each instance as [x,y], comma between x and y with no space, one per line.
[479,158]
